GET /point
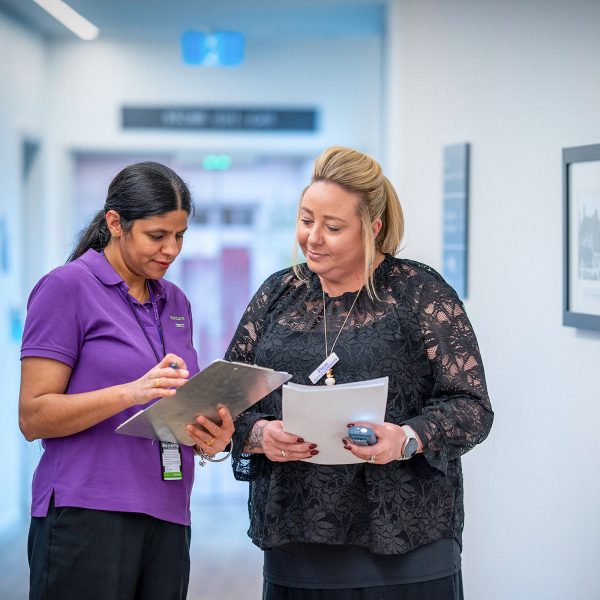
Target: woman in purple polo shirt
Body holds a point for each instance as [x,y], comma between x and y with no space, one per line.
[105,335]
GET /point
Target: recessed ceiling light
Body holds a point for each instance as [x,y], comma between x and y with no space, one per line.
[70,18]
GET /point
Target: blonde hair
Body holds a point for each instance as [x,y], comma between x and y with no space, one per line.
[362,175]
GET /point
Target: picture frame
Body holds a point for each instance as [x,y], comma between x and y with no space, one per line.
[581,236]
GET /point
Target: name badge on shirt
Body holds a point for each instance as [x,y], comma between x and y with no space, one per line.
[170,461]
[323,367]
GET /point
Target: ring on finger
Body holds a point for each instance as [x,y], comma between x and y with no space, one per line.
[283,454]
[159,382]
[210,442]
[372,459]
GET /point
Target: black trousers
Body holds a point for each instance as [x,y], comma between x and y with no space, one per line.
[81,554]
[445,588]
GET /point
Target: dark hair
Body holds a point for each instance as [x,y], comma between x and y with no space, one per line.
[139,191]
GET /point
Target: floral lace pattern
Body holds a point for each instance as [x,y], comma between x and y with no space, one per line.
[417,334]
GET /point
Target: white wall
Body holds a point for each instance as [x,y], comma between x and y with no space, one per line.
[20,118]
[519,81]
[89,83]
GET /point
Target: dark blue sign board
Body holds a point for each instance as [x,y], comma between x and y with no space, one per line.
[456,216]
[220,119]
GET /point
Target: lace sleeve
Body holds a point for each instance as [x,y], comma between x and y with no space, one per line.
[241,349]
[459,414]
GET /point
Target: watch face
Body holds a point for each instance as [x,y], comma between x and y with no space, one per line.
[410,447]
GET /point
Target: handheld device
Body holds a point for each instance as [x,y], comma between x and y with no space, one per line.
[362,436]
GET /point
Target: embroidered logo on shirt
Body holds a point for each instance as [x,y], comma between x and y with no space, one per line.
[178,320]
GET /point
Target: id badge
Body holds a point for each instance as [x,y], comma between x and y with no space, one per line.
[170,461]
[318,373]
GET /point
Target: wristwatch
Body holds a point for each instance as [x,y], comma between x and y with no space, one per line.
[411,444]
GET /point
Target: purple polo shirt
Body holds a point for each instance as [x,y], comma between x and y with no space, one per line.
[79,314]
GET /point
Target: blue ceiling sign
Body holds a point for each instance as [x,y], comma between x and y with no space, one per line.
[219,49]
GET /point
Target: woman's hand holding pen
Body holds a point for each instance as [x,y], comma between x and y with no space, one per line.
[278,445]
[162,380]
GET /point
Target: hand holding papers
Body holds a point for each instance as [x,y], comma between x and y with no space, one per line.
[321,413]
[235,385]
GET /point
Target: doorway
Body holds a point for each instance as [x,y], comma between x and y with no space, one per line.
[242,230]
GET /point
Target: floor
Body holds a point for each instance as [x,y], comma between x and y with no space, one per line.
[225,564]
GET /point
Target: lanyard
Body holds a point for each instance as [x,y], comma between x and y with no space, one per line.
[170,453]
[156,320]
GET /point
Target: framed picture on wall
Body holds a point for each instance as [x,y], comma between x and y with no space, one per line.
[581,258]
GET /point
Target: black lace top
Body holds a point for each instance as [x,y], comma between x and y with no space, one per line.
[418,335]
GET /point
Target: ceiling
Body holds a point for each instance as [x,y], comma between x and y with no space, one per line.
[168,19]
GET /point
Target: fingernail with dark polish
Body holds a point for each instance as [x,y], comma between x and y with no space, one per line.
[314,452]
[300,440]
[312,446]
[350,425]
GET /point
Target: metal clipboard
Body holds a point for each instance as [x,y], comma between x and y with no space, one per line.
[235,385]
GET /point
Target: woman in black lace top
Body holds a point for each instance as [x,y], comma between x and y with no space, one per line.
[389,527]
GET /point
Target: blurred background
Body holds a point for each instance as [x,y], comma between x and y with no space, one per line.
[239,96]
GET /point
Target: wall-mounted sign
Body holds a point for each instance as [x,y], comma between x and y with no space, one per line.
[220,119]
[456,216]
[4,246]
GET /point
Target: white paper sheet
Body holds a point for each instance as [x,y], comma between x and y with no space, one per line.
[320,414]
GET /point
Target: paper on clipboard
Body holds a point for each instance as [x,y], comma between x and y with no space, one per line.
[236,385]
[320,414]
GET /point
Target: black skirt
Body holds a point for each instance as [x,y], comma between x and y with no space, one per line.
[445,588]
